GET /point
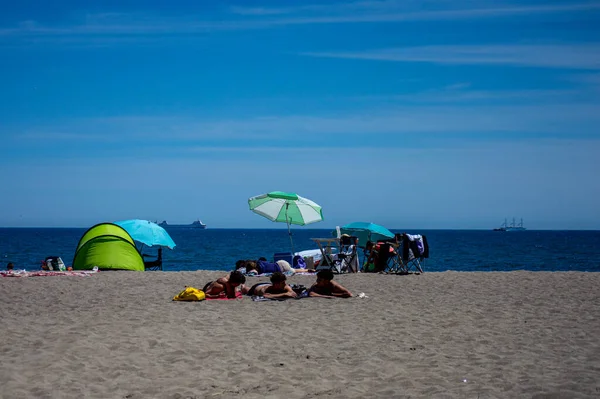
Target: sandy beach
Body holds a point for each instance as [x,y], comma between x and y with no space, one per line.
[463,335]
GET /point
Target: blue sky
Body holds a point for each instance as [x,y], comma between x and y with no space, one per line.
[411,114]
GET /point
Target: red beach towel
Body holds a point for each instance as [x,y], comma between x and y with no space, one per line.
[238,295]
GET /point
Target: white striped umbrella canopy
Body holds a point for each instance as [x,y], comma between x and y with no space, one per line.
[279,206]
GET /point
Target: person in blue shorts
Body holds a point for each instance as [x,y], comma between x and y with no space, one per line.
[262,266]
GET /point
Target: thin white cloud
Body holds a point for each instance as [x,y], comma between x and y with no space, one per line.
[104,24]
[279,149]
[589,79]
[319,8]
[577,56]
[458,86]
[346,7]
[412,9]
[452,95]
[58,135]
[97,42]
[130,24]
[396,124]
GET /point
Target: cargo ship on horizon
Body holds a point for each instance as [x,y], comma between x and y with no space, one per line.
[196,224]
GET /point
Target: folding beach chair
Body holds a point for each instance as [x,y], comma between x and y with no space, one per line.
[395,264]
[155,264]
[339,254]
[412,252]
[386,258]
[347,258]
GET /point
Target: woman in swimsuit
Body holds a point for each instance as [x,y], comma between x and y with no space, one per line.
[225,286]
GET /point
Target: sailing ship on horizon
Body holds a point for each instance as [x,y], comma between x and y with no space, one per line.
[512,227]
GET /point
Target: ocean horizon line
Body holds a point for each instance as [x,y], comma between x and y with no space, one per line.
[183,227]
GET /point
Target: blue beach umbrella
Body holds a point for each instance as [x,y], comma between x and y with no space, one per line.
[366,231]
[146,232]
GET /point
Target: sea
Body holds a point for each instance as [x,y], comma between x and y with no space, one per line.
[219,249]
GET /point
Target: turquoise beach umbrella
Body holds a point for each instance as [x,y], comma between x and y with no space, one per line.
[147,232]
[366,231]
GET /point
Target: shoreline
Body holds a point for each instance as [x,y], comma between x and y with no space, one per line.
[224,272]
[451,334]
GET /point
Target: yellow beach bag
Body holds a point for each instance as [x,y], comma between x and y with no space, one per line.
[190,294]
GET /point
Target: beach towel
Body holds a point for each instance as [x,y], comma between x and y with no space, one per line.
[23,273]
[288,273]
[262,298]
[254,274]
[238,295]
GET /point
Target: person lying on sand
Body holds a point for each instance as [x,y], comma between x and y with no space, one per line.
[278,288]
[224,286]
[261,266]
[241,264]
[326,288]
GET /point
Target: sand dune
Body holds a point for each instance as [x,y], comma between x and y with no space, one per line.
[464,335]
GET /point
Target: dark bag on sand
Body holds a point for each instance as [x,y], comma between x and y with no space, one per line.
[298,262]
[298,288]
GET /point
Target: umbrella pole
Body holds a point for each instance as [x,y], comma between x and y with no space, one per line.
[291,240]
[287,221]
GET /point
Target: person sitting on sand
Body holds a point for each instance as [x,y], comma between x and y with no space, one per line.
[376,261]
[10,267]
[278,288]
[224,286]
[326,288]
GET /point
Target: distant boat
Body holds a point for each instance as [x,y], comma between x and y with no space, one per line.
[196,224]
[512,227]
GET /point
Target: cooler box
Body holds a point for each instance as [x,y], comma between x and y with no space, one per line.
[286,256]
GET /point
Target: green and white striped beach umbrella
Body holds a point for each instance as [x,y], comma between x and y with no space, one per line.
[290,208]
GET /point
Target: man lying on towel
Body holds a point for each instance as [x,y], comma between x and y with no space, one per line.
[277,289]
[326,288]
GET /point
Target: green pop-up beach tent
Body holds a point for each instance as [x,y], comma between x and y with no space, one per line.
[109,247]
